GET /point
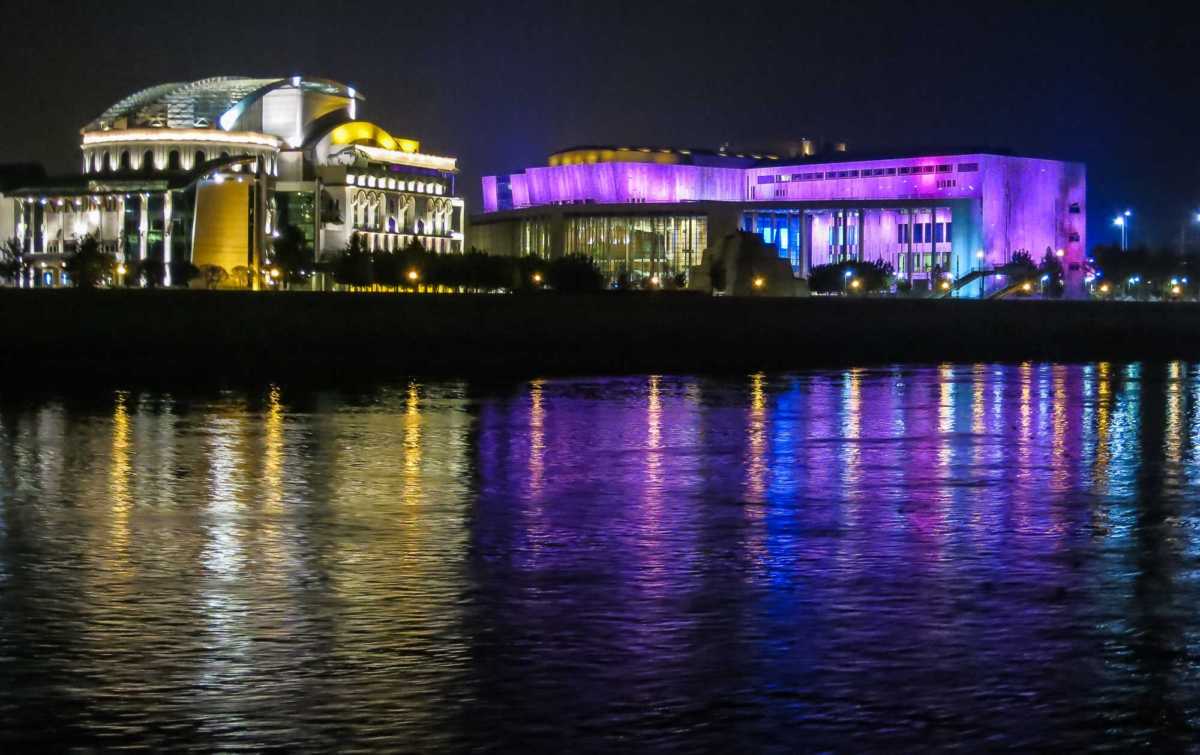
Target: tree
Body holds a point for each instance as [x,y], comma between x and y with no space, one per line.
[574,273]
[213,276]
[12,260]
[385,269]
[835,278]
[151,272]
[88,266]
[716,274]
[291,254]
[1051,270]
[243,276]
[183,272]
[353,265]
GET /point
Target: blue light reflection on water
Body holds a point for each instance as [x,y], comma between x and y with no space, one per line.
[906,556]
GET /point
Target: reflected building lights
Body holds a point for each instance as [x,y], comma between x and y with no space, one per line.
[756,435]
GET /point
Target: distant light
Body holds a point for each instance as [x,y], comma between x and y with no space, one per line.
[1027,286]
[413,275]
[1118,221]
[760,281]
[1176,290]
[1061,252]
[654,280]
[537,279]
[1128,213]
[849,273]
[1104,288]
[980,254]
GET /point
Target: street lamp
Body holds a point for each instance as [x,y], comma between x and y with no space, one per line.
[846,280]
[1119,221]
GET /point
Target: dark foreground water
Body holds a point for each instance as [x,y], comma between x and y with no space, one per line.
[985,556]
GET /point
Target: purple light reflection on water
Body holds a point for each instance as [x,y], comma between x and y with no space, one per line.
[891,558]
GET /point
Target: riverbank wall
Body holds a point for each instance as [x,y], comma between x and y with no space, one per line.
[63,336]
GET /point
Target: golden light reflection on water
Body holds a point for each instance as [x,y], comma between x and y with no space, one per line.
[1174,436]
[411,444]
[118,476]
[273,451]
[756,437]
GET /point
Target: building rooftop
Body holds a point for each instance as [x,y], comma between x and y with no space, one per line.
[201,103]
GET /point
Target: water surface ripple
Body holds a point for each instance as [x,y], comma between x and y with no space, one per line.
[980,556]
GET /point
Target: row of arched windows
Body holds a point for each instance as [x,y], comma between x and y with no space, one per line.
[102,162]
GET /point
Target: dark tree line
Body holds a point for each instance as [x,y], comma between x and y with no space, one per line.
[414,266]
[872,276]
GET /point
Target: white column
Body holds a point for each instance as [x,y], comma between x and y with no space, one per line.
[167,238]
[144,226]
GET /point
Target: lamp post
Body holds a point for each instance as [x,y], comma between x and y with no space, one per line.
[846,280]
[1122,221]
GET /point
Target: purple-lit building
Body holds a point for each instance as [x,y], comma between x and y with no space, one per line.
[644,212]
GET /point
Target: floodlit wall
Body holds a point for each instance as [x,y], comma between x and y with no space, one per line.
[222,229]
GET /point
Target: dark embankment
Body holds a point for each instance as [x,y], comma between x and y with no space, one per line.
[68,336]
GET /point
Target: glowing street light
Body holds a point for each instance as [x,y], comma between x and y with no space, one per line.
[414,276]
[1061,253]
[537,279]
[1122,221]
[856,284]
[759,281]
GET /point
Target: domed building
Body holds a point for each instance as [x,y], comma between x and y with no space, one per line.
[211,171]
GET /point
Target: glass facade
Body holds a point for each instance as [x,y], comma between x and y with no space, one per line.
[637,247]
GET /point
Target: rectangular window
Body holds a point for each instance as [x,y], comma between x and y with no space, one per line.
[1075,208]
[766,179]
[852,174]
[939,230]
[918,233]
[1074,237]
[968,167]
[905,171]
[945,168]
[928,232]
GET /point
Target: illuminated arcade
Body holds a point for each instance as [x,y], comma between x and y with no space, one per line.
[652,211]
[210,171]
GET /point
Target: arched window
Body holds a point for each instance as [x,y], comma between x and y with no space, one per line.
[107,163]
[148,161]
[198,159]
[224,155]
[124,159]
[173,160]
[95,163]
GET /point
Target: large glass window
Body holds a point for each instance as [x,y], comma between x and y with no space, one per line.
[638,247]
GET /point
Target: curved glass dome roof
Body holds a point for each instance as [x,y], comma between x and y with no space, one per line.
[199,104]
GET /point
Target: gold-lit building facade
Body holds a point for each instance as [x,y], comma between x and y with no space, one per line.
[207,174]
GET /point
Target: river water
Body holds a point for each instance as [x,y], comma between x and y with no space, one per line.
[970,555]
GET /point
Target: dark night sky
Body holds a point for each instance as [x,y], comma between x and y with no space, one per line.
[501,84]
